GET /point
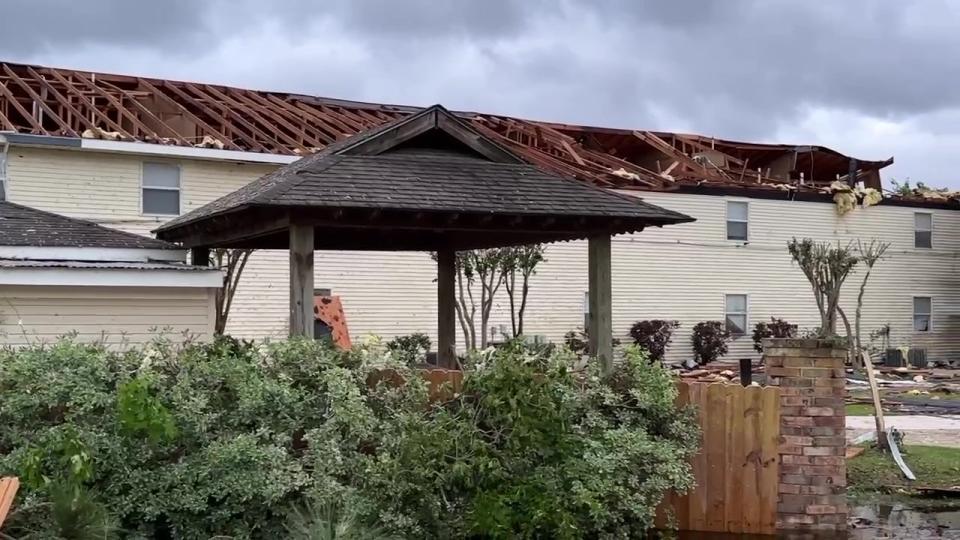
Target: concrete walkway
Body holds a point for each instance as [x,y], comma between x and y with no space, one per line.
[924,430]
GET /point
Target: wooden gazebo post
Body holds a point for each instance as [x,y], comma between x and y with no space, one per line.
[446,308]
[600,297]
[301,280]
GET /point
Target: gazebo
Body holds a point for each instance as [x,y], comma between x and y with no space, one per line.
[426,182]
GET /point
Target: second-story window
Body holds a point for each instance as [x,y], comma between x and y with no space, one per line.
[736,314]
[161,189]
[923,230]
[737,220]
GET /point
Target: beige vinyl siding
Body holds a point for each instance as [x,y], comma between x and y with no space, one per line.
[105,187]
[681,272]
[115,315]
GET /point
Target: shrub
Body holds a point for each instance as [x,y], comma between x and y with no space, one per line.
[776,328]
[653,336]
[248,440]
[709,341]
[411,349]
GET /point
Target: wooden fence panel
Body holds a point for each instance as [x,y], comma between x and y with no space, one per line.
[737,467]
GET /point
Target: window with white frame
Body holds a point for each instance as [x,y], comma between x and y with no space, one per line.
[923,230]
[922,313]
[735,314]
[737,220]
[161,189]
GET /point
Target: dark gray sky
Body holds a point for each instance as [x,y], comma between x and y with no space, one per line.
[872,78]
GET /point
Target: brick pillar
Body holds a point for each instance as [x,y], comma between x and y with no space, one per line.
[813,469]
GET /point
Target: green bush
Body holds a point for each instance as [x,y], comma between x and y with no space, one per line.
[237,439]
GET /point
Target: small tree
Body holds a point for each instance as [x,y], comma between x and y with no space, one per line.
[522,260]
[484,267]
[776,328]
[826,267]
[709,341]
[231,262]
[654,336]
[410,349]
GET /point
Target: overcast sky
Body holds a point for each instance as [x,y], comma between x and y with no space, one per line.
[871,78]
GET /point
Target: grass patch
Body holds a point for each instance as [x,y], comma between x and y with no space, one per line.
[859,409]
[875,471]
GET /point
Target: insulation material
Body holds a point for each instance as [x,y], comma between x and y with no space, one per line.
[871,197]
[97,133]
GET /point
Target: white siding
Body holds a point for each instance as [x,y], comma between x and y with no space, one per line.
[116,315]
[680,272]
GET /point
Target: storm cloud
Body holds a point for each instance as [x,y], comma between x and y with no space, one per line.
[871,78]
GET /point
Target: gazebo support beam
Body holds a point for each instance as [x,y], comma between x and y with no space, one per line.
[446,308]
[600,300]
[200,256]
[301,280]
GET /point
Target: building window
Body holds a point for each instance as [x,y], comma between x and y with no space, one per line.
[922,230]
[922,313]
[161,189]
[736,314]
[737,214]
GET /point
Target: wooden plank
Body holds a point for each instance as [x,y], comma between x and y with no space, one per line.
[212,97]
[697,515]
[715,442]
[770,473]
[321,130]
[72,89]
[8,491]
[234,106]
[736,458]
[23,112]
[117,104]
[301,280]
[680,505]
[750,490]
[248,138]
[600,300]
[63,101]
[144,110]
[213,132]
[40,102]
[446,308]
[875,394]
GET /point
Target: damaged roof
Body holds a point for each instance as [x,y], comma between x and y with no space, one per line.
[62,102]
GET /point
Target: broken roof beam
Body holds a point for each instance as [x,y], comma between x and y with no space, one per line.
[131,97]
[64,127]
[117,103]
[34,123]
[88,104]
[320,130]
[668,149]
[205,110]
[271,130]
[231,109]
[210,130]
[62,100]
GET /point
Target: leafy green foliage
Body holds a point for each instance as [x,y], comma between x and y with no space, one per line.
[410,349]
[709,340]
[776,328]
[249,440]
[653,336]
[142,413]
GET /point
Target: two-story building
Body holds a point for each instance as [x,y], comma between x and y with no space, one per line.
[132,152]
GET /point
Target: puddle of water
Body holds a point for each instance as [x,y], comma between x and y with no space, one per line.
[897,520]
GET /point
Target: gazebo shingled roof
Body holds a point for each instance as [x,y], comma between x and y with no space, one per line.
[426,182]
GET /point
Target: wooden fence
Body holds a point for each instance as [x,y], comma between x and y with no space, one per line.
[736,470]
